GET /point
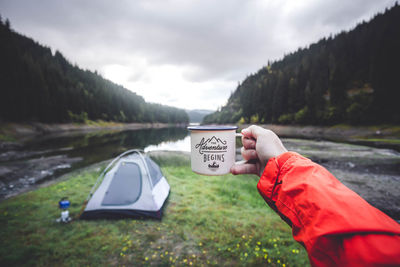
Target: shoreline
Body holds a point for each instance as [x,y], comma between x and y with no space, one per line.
[381,136]
[19,132]
[384,136]
[340,130]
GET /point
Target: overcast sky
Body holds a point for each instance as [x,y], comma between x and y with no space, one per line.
[188,54]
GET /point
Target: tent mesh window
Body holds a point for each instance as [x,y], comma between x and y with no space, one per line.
[155,172]
[126,185]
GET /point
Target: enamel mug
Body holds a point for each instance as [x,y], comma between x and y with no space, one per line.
[213,149]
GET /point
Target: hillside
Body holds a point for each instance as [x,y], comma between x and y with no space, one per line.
[197,115]
[37,85]
[349,78]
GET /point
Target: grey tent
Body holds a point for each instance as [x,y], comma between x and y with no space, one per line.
[133,186]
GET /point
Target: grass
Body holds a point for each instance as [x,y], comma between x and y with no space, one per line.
[220,221]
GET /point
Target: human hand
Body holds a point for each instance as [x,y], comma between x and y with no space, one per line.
[259,145]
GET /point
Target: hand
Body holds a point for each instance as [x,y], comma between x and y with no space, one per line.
[259,145]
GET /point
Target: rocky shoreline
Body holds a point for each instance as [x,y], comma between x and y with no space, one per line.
[336,131]
[13,134]
[21,130]
[376,136]
[35,128]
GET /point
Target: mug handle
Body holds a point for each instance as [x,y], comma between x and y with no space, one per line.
[243,161]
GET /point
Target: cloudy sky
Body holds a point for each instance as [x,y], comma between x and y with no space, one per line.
[189,54]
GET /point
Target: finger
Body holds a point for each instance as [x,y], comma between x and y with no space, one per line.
[248,143]
[253,131]
[244,169]
[248,154]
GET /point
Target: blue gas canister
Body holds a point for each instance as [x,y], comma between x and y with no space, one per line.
[64,204]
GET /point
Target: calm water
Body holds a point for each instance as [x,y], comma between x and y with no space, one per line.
[42,159]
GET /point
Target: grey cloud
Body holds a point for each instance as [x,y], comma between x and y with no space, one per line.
[225,40]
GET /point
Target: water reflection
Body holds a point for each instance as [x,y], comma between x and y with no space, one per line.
[44,158]
[180,145]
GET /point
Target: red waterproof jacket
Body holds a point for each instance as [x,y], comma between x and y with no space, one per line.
[334,224]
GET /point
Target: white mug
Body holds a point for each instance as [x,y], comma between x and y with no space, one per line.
[213,149]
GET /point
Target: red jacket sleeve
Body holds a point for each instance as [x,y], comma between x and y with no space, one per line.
[335,225]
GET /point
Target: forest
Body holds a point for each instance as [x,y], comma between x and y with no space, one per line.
[350,78]
[41,86]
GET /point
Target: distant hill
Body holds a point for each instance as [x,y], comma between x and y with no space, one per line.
[197,115]
[36,85]
[352,77]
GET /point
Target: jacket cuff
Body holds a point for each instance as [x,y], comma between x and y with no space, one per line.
[270,180]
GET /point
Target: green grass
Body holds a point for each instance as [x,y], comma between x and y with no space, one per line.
[220,221]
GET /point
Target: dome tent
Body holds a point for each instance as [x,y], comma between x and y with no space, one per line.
[132,186]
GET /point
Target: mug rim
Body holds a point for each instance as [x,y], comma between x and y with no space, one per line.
[212,128]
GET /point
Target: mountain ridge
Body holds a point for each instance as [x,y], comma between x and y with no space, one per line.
[349,78]
[40,86]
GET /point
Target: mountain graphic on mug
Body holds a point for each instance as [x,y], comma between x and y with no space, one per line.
[212,144]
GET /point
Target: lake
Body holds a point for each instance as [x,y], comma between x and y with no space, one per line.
[374,173]
[24,166]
